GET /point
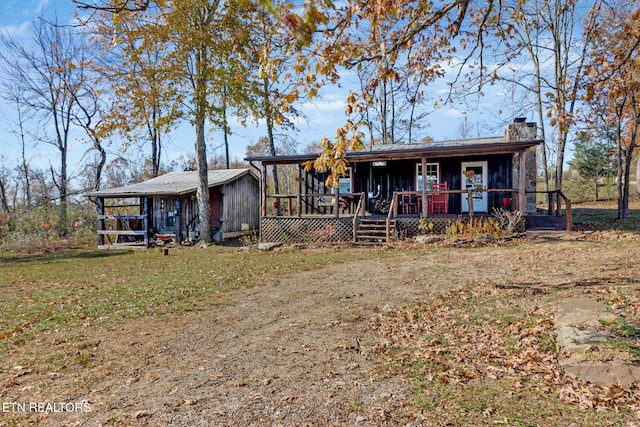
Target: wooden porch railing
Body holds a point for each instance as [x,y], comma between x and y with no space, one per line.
[359,208]
[119,225]
[512,192]
[555,198]
[392,208]
[293,204]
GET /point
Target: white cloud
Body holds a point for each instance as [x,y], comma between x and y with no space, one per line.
[21,30]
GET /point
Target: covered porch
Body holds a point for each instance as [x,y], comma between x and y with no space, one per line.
[401,184]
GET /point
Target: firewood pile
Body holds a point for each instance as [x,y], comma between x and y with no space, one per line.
[381,205]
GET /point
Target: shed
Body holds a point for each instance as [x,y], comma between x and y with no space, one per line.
[165,207]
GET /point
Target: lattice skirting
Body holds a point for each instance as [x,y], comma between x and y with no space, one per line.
[306,230]
[335,230]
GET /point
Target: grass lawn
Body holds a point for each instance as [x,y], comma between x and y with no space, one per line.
[481,353]
[602,216]
[59,290]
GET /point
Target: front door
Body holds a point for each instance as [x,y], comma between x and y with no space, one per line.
[474,177]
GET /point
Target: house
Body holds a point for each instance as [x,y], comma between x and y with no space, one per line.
[399,184]
[166,208]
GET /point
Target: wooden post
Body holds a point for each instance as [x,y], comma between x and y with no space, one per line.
[522,190]
[300,181]
[423,208]
[394,203]
[263,184]
[568,218]
[470,199]
[178,238]
[336,202]
[145,220]
[100,220]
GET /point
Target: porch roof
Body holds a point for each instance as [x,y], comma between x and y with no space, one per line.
[441,149]
[172,184]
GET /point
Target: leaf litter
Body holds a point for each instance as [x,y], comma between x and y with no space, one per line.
[401,336]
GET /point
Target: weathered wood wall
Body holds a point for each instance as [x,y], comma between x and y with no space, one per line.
[234,206]
[240,205]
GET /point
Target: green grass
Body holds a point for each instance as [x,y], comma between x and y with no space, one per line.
[60,290]
[603,216]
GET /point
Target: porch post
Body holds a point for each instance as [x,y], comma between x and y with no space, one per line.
[100,220]
[145,220]
[336,202]
[263,184]
[178,208]
[299,192]
[522,186]
[423,208]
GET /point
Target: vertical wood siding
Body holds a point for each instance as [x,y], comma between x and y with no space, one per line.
[241,204]
[236,203]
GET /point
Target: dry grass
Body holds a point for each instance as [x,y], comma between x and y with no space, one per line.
[470,334]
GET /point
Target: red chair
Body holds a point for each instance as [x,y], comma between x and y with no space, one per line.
[439,201]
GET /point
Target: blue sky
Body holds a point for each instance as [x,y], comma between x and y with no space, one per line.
[324,114]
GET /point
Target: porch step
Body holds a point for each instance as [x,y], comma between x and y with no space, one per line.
[545,222]
[374,231]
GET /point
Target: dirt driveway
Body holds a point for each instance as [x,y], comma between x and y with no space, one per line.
[299,352]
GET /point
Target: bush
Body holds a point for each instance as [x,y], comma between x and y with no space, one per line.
[38,229]
[474,227]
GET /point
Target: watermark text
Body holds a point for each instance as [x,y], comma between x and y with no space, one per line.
[43,407]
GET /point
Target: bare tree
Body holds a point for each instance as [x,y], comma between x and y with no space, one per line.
[88,117]
[544,44]
[4,184]
[49,75]
[13,95]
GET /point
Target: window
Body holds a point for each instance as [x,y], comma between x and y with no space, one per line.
[432,175]
[345,183]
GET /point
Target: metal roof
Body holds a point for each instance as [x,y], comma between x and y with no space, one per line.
[453,148]
[172,184]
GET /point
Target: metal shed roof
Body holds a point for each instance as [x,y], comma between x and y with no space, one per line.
[172,184]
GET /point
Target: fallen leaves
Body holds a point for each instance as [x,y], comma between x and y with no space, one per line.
[484,337]
[19,328]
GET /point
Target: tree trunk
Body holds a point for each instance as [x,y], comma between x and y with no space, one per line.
[3,196]
[638,173]
[624,173]
[224,121]
[268,112]
[100,165]
[63,194]
[562,142]
[543,146]
[625,188]
[204,209]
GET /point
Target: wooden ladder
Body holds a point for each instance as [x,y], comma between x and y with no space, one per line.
[374,231]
